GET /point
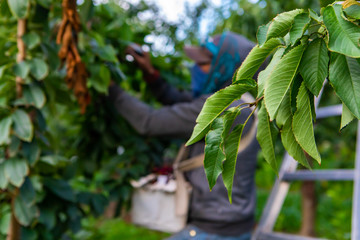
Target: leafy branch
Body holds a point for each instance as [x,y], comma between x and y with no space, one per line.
[303,56]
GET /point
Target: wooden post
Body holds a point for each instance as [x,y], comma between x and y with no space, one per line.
[15,228]
[21,29]
[309,202]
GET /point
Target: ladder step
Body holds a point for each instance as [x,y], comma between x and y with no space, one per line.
[334,175]
[284,236]
[329,111]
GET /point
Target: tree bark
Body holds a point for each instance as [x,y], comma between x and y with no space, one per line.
[110,210]
[21,29]
[309,203]
[14,228]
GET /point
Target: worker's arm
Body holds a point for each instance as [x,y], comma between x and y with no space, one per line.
[177,120]
[164,92]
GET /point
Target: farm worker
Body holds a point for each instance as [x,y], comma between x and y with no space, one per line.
[211,216]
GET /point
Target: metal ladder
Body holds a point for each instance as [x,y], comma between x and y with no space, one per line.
[288,173]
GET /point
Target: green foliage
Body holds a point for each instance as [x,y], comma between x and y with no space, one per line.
[23,126]
[301,22]
[112,229]
[344,77]
[231,146]
[71,160]
[302,124]
[314,65]
[214,155]
[346,116]
[279,26]
[286,88]
[280,80]
[266,136]
[254,60]
[15,171]
[343,34]
[216,104]
[19,8]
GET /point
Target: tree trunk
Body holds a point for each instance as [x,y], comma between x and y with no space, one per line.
[110,210]
[309,203]
[14,228]
[21,29]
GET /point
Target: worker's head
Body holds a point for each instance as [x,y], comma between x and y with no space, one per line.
[215,62]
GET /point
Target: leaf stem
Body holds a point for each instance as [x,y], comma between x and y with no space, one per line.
[252,112]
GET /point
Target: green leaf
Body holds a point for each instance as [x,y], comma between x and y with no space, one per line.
[86,11]
[102,79]
[303,124]
[261,33]
[31,40]
[214,155]
[229,118]
[29,234]
[60,188]
[19,8]
[16,171]
[281,24]
[48,216]
[27,192]
[301,22]
[343,35]
[5,220]
[280,80]
[215,105]
[264,75]
[14,146]
[254,59]
[3,68]
[25,213]
[22,125]
[38,68]
[21,69]
[353,11]
[34,95]
[107,53]
[31,151]
[266,136]
[314,15]
[231,146]
[284,121]
[346,117]
[344,76]
[3,180]
[292,146]
[314,65]
[5,126]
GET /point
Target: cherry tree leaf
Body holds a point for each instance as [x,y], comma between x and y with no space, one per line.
[254,60]
[314,65]
[303,124]
[215,105]
[343,35]
[266,136]
[280,80]
[344,76]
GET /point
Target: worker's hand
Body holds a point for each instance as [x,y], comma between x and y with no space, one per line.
[144,61]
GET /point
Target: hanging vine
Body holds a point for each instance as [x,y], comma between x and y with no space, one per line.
[67,36]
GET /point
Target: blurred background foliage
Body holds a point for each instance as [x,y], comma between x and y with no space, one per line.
[98,152]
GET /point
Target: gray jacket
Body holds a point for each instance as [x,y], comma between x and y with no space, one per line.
[210,211]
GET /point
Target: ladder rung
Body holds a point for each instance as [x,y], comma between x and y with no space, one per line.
[335,175]
[329,111]
[284,236]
